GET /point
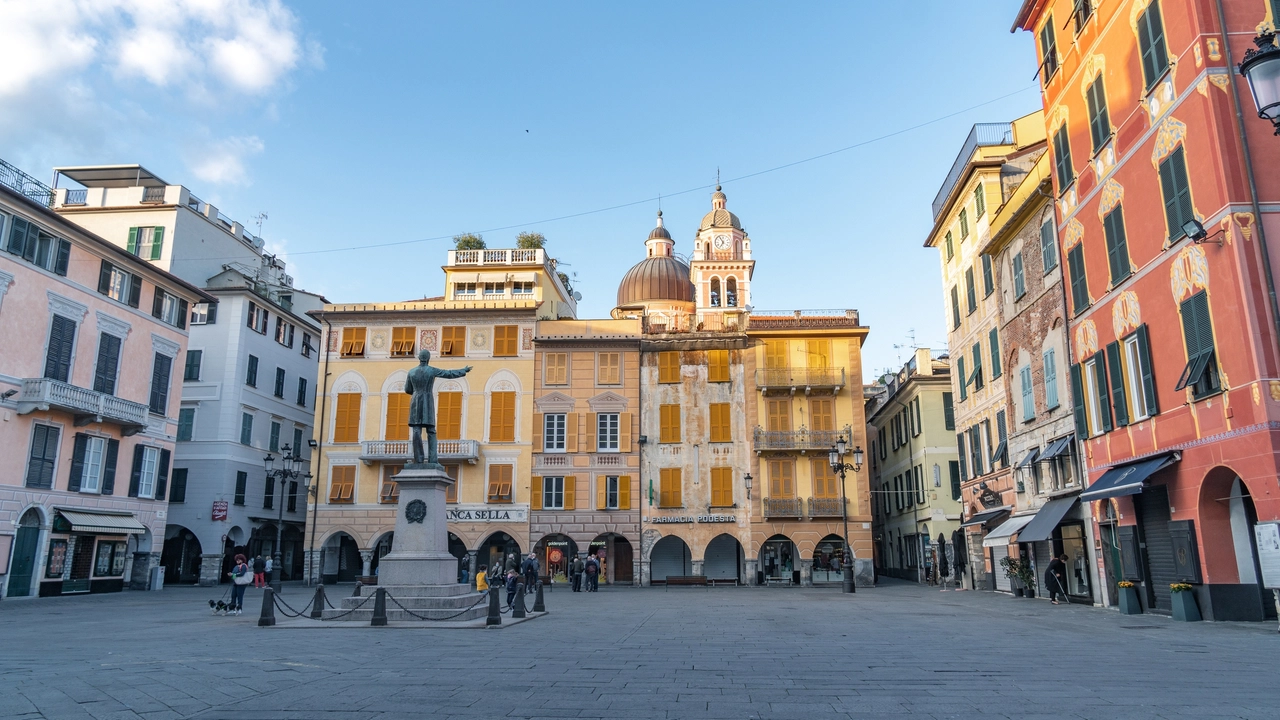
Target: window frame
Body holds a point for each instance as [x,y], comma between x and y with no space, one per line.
[1049,60]
[1048,246]
[551,434]
[1019,276]
[191,365]
[494,488]
[553,492]
[353,342]
[187,420]
[608,432]
[508,345]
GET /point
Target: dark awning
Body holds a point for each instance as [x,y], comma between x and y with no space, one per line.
[1041,528]
[1056,448]
[1029,459]
[1127,479]
[985,515]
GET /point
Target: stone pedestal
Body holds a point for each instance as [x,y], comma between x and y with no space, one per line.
[864,573]
[210,569]
[420,555]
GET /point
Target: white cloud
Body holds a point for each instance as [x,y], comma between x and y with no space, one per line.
[223,161]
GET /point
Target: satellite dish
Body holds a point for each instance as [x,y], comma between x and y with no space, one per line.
[577,296]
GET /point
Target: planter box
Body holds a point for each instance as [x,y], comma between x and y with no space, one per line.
[1129,604]
[1184,606]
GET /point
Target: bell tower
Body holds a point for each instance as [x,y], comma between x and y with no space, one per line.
[721,268]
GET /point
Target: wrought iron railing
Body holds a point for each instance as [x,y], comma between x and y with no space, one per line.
[783,507]
[802,439]
[403,449]
[44,393]
[826,507]
[26,185]
[795,377]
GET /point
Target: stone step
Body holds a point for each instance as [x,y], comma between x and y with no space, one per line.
[401,591]
[455,603]
[395,614]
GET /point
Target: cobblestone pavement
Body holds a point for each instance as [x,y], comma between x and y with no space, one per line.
[638,653]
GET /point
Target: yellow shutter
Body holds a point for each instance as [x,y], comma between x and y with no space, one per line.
[346,426]
[449,416]
[669,423]
[775,354]
[722,486]
[780,415]
[720,419]
[593,432]
[451,495]
[820,416]
[781,482]
[818,354]
[397,416]
[669,366]
[402,341]
[535,497]
[677,488]
[624,432]
[453,341]
[602,492]
[570,488]
[717,366]
[624,492]
[502,417]
[609,372]
[504,340]
[557,368]
[538,423]
[353,342]
[571,432]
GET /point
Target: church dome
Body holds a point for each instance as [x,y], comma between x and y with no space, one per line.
[719,217]
[659,232]
[656,278]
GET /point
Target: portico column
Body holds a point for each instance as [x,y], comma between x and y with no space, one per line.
[697,567]
[471,563]
[752,568]
[806,573]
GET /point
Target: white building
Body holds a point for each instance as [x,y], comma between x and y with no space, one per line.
[249,374]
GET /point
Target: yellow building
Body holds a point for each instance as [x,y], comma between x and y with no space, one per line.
[486,320]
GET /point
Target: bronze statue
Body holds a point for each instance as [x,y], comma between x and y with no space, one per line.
[422,408]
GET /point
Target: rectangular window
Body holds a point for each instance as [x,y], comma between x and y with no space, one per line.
[307,347]
[948,411]
[451,495]
[43,456]
[453,341]
[781,479]
[186,423]
[242,482]
[964,224]
[502,417]
[951,249]
[1048,50]
[971,292]
[1099,121]
[390,492]
[285,332]
[342,485]
[499,490]
[979,201]
[1019,279]
[955,307]
[1139,376]
[722,487]
[257,319]
[720,419]
[302,392]
[717,366]
[556,368]
[160,370]
[274,442]
[1028,394]
[953,467]
[670,493]
[346,421]
[1050,379]
[821,417]
[1201,371]
[149,473]
[553,493]
[1082,11]
[779,412]
[464,291]
[398,416]
[994,341]
[975,375]
[251,372]
[108,365]
[297,443]
[293,497]
[353,342]
[962,379]
[610,372]
[505,340]
[146,242]
[1048,246]
[553,432]
[191,370]
[1176,192]
[1062,159]
[402,341]
[817,354]
[119,285]
[495,288]
[268,494]
[1079,284]
[449,415]
[1117,247]
[988,279]
[522,288]
[204,313]
[1092,407]
[38,247]
[178,486]
[278,391]
[669,366]
[607,430]
[169,309]
[246,429]
[1155,57]
[825,482]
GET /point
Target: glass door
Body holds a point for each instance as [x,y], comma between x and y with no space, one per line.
[1077,552]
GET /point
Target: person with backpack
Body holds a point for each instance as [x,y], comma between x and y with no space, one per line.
[530,571]
[593,574]
[575,572]
[241,575]
[512,581]
[259,572]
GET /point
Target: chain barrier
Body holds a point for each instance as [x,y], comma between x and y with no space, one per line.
[484,598]
[296,613]
[357,607]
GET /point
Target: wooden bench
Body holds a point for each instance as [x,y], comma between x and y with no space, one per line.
[686,580]
[722,581]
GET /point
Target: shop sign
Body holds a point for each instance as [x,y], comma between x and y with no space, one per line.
[671,519]
[990,498]
[219,510]
[486,513]
[717,518]
[666,519]
[1268,539]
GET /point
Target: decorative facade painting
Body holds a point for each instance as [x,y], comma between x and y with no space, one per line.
[1112,196]
[1189,272]
[526,338]
[1170,135]
[1086,340]
[427,339]
[1072,234]
[1126,314]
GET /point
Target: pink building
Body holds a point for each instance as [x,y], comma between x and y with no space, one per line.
[92,342]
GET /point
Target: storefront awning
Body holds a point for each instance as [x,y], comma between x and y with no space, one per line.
[986,515]
[1041,527]
[1029,459]
[1127,479]
[90,521]
[1057,447]
[1000,536]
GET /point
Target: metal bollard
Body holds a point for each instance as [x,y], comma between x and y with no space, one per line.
[495,611]
[317,604]
[538,605]
[517,605]
[356,592]
[379,608]
[268,616]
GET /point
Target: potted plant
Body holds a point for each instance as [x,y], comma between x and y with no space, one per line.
[1184,602]
[1019,570]
[1129,604]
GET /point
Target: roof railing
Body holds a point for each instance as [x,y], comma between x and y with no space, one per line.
[24,184]
[982,135]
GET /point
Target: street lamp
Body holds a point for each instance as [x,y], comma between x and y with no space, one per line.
[838,465]
[747,479]
[291,470]
[1261,67]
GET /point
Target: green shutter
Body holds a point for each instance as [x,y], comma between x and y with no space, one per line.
[1118,399]
[979,201]
[964,379]
[1079,284]
[133,240]
[1182,189]
[157,242]
[109,467]
[1104,398]
[1117,245]
[955,306]
[135,473]
[1148,371]
[1077,401]
[988,281]
[1155,59]
[995,353]
[1048,248]
[977,366]
[970,290]
[77,462]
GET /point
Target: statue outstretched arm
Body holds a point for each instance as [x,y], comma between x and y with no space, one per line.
[461,372]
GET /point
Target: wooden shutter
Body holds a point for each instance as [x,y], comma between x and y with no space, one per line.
[453,340]
[451,495]
[717,366]
[571,423]
[104,376]
[818,354]
[1077,400]
[398,416]
[535,493]
[570,490]
[135,474]
[971,291]
[346,424]
[109,467]
[62,333]
[1028,400]
[824,485]
[962,378]
[502,417]
[1079,285]
[1182,189]
[160,372]
[157,242]
[669,423]
[624,492]
[821,417]
[132,245]
[669,366]
[504,340]
[781,479]
[592,432]
[1148,371]
[539,421]
[722,486]
[448,415]
[624,432]
[672,490]
[1118,398]
[610,372]
[1151,47]
[780,415]
[554,372]
[994,338]
[162,475]
[602,492]
[1104,397]
[720,419]
[77,462]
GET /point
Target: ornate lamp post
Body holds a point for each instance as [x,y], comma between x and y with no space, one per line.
[291,470]
[1261,67]
[839,466]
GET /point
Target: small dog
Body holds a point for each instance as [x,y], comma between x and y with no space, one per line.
[219,607]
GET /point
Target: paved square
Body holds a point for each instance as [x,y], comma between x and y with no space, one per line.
[638,653]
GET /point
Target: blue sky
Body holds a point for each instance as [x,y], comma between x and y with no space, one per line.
[354,125]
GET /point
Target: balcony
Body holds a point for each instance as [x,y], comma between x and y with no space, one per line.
[402,451]
[802,440]
[783,507]
[509,256]
[25,185]
[87,406]
[791,379]
[826,507]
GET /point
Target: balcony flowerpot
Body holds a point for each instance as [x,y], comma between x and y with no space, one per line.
[1184,606]
[1129,604]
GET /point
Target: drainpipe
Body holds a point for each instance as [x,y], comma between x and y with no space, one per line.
[324,401]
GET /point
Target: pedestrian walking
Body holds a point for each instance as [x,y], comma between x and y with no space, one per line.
[511,563]
[482,578]
[1055,578]
[259,572]
[512,580]
[593,574]
[576,573]
[530,571]
[241,575]
[269,565]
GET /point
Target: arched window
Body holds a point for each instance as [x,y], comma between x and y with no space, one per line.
[731,292]
[715,292]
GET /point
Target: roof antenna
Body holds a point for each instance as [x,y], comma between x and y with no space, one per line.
[717,177]
[261,218]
